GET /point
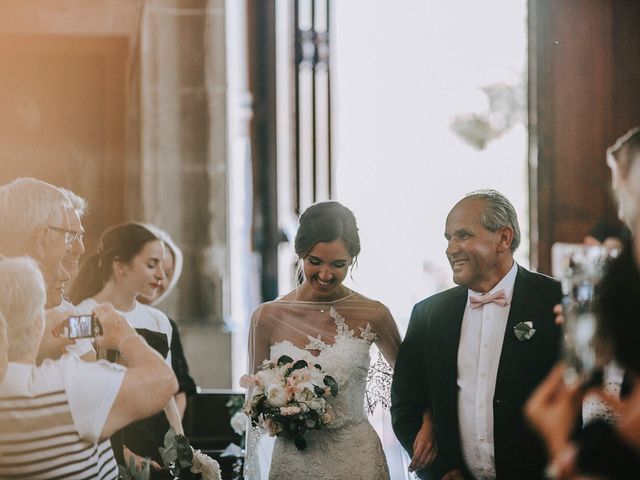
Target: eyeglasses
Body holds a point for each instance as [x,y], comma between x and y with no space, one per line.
[70,236]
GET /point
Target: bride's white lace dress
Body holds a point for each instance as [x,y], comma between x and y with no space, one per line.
[348,447]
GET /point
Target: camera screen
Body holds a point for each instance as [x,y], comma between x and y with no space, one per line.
[80,326]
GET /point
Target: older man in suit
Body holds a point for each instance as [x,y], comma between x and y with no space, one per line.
[473,354]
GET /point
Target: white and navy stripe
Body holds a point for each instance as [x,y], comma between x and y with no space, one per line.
[38,440]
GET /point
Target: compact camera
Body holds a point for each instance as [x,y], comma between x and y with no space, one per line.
[83,326]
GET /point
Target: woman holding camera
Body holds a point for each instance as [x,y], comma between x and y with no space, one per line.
[57,416]
[128,263]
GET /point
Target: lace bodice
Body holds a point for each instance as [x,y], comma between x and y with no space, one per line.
[338,336]
[346,360]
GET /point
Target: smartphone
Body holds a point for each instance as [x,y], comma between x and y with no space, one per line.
[83,326]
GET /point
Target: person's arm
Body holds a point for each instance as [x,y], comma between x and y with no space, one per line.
[552,410]
[409,393]
[259,341]
[148,384]
[187,386]
[173,416]
[181,402]
[52,344]
[387,336]
[630,421]
[424,445]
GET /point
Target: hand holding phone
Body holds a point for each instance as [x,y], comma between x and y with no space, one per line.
[83,326]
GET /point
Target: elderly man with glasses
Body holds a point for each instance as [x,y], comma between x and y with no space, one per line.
[36,221]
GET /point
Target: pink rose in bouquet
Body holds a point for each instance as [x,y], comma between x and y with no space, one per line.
[289,397]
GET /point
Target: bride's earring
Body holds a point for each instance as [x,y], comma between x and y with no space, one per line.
[299,272]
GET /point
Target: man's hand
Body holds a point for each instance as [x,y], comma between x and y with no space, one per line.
[558,312]
[453,475]
[53,343]
[424,445]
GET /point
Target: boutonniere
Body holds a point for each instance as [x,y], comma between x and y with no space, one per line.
[524,331]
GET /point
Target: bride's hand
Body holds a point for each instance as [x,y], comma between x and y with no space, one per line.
[424,445]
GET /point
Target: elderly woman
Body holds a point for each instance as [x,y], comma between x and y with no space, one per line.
[56,418]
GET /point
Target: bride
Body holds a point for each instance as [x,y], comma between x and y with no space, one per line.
[326,323]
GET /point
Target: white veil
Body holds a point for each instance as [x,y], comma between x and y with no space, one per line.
[309,326]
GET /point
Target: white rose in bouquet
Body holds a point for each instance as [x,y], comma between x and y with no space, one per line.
[265,378]
[276,395]
[239,422]
[317,403]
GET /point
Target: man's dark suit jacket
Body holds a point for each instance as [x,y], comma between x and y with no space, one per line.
[426,377]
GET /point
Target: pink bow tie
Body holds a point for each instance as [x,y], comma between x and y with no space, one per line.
[499,298]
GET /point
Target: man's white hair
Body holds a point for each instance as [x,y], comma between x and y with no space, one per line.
[22,300]
[78,203]
[27,204]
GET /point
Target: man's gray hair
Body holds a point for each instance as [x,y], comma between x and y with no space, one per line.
[22,300]
[498,213]
[27,204]
[78,203]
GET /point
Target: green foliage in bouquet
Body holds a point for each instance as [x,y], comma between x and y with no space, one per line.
[183,462]
[177,455]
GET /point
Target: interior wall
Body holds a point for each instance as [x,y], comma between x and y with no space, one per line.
[583,94]
[184,158]
[137,125]
[68,101]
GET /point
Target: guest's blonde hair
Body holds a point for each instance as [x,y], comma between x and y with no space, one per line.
[22,300]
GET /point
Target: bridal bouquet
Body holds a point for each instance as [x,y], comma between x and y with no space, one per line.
[289,397]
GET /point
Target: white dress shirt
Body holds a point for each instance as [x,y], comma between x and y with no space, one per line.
[481,337]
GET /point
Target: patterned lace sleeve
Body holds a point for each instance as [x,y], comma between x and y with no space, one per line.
[378,385]
[252,458]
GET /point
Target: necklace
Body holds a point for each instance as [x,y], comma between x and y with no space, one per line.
[324,305]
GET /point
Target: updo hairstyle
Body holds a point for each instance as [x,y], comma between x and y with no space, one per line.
[326,222]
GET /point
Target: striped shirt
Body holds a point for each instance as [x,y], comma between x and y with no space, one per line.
[51,417]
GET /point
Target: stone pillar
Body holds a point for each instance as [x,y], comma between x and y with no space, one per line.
[184,168]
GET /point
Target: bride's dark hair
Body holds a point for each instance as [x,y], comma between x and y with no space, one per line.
[326,222]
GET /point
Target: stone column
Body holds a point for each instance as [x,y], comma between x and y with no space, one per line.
[184,168]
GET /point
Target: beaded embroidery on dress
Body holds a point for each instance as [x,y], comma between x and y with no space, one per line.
[348,447]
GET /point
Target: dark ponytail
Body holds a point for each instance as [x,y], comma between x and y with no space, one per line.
[89,280]
[120,243]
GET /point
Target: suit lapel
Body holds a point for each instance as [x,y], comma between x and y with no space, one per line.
[518,310]
[449,340]
[450,337]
